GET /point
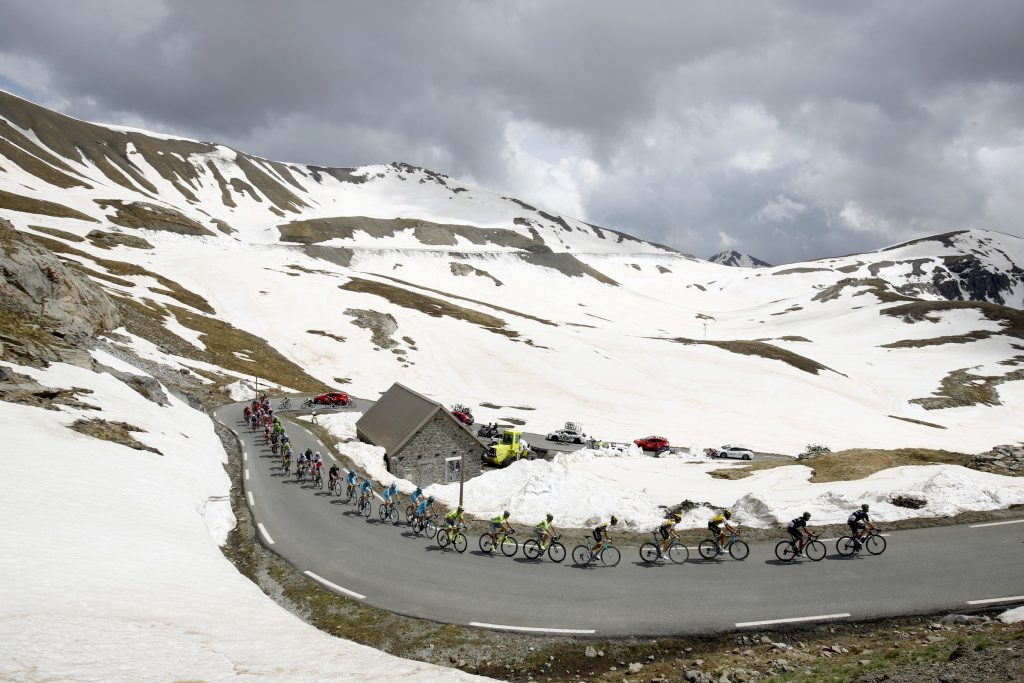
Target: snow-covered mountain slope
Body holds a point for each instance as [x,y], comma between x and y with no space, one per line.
[315,277]
[738,260]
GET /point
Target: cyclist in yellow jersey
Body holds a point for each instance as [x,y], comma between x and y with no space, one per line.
[715,525]
[453,520]
[545,530]
[601,533]
[499,523]
[667,529]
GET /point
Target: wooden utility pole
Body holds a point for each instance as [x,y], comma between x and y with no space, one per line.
[462,476]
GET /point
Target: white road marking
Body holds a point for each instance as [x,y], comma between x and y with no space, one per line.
[334,586]
[793,620]
[252,502]
[1012,521]
[247,474]
[987,601]
[533,629]
[266,536]
[245,456]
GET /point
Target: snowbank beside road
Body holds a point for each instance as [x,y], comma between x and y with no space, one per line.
[116,575]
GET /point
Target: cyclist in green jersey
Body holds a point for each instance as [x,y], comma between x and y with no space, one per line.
[453,520]
[499,523]
[544,531]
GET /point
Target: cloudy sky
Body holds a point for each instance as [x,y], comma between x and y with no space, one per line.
[788,130]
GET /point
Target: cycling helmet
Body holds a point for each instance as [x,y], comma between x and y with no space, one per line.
[459,509]
[864,507]
[550,517]
[807,515]
[677,516]
[418,490]
[430,499]
[727,512]
[614,519]
[506,514]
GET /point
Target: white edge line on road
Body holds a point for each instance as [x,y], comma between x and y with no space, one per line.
[767,622]
[334,586]
[1012,521]
[245,456]
[247,474]
[266,536]
[252,502]
[986,601]
[533,629]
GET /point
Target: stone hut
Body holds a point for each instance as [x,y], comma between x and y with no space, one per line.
[422,441]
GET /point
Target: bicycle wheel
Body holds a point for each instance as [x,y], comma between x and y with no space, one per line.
[429,528]
[708,549]
[649,552]
[815,550]
[785,551]
[319,482]
[739,550]
[678,553]
[442,539]
[393,515]
[408,514]
[367,509]
[581,555]
[382,512]
[610,556]
[845,546]
[509,546]
[556,551]
[460,543]
[531,549]
[875,544]
[486,543]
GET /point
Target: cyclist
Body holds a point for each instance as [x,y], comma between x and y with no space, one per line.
[859,524]
[799,531]
[314,468]
[365,492]
[300,464]
[423,508]
[390,495]
[601,533]
[286,462]
[333,477]
[715,525]
[318,458]
[246,412]
[667,529]
[351,479]
[452,521]
[499,523]
[544,531]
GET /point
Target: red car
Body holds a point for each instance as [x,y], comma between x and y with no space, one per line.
[653,443]
[463,414]
[333,398]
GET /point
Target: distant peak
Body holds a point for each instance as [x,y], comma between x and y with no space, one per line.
[738,260]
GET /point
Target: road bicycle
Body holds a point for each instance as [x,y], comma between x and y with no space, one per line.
[426,526]
[285,404]
[350,492]
[608,554]
[533,549]
[410,514]
[813,549]
[506,542]
[318,480]
[651,552]
[334,485]
[308,403]
[388,511]
[287,466]
[365,504]
[873,542]
[737,549]
[452,536]
[300,471]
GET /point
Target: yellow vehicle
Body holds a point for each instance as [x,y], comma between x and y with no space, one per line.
[508,448]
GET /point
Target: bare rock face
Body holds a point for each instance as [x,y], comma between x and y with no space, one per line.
[46,308]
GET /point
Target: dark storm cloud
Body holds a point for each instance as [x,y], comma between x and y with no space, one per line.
[787,130]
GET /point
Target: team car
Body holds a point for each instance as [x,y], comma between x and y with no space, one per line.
[730,451]
[566,436]
[333,398]
[658,444]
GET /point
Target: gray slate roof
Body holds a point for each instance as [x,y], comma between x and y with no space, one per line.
[396,417]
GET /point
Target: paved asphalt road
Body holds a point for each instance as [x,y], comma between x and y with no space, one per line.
[925,570]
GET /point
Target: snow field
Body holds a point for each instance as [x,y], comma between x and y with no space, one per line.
[115,573]
[582,487]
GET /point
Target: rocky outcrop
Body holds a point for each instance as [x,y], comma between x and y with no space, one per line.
[46,308]
[1008,460]
[966,277]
